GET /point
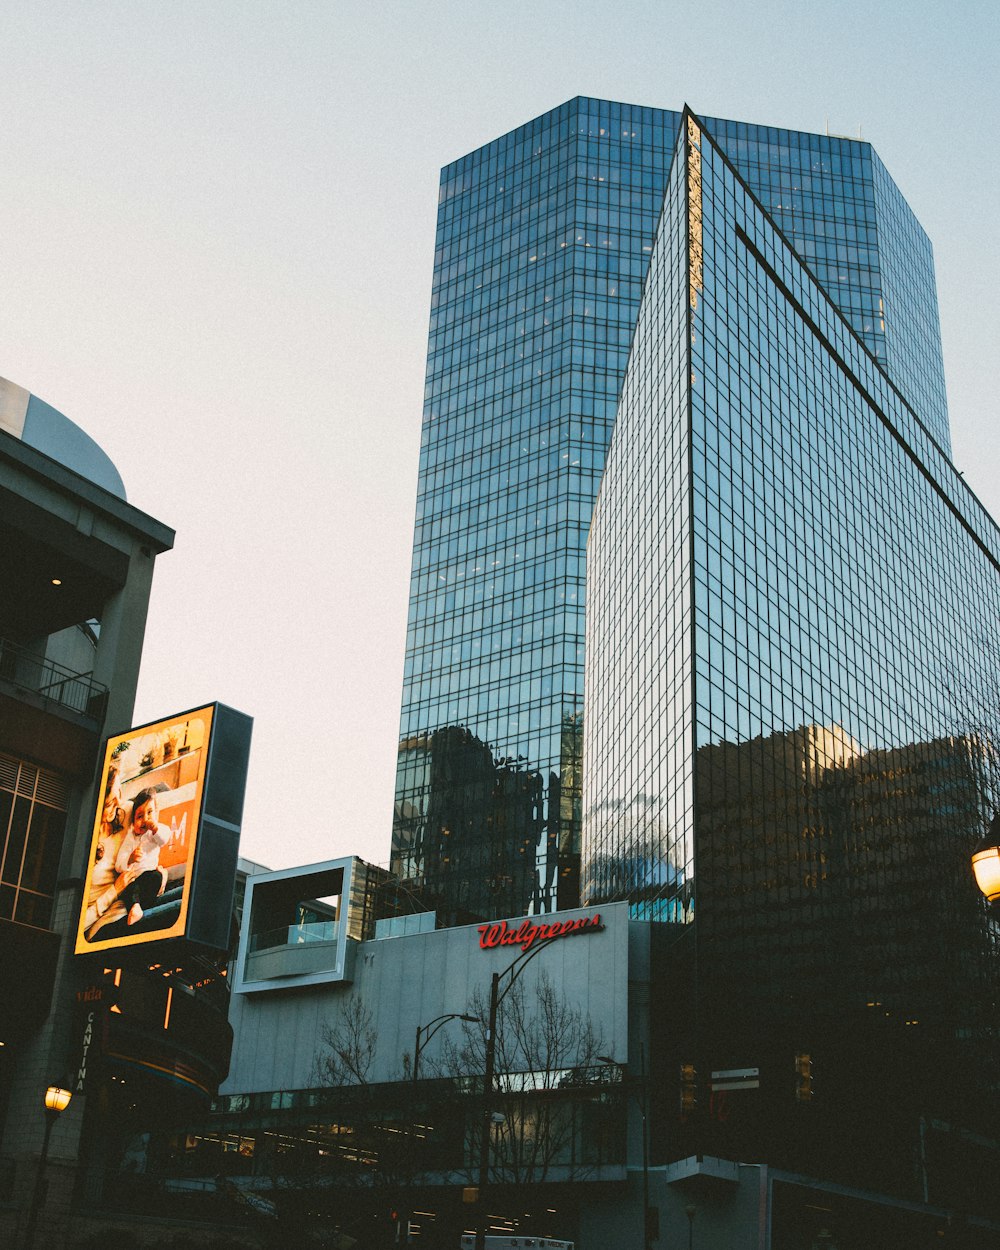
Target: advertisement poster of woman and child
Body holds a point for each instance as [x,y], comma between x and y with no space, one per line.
[145,830]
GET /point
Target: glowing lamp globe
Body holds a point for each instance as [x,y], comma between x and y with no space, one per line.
[986,862]
[57,1098]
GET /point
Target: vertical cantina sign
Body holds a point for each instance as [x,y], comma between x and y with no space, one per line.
[528,934]
[88,1004]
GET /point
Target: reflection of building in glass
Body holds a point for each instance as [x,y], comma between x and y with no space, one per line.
[468,832]
[781,544]
[770,880]
[818,862]
[543,243]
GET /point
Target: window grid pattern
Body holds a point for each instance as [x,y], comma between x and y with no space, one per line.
[910,306]
[845,602]
[543,242]
[847,640]
[32,824]
[544,238]
[638,720]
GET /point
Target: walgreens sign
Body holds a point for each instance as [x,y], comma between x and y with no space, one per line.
[528,933]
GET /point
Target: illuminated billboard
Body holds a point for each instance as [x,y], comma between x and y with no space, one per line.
[158,832]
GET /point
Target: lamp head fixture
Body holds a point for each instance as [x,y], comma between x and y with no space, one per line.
[986,862]
[57,1098]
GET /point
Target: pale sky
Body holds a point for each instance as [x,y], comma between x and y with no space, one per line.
[216,241]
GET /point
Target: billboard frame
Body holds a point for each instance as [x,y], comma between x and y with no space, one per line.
[202,839]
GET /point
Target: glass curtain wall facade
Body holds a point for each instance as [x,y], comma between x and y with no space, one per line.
[543,243]
[793,642]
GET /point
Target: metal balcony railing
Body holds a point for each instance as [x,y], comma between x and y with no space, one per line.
[294,935]
[27,671]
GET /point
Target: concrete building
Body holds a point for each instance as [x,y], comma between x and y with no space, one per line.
[355,1086]
[76,566]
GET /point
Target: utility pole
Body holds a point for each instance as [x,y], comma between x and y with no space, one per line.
[497,995]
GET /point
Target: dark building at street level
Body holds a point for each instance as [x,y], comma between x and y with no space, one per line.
[791,714]
[543,244]
[138,1035]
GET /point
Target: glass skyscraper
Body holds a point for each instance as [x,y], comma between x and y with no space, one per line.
[543,244]
[792,695]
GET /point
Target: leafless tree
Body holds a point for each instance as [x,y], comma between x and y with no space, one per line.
[347,1049]
[548,1076]
[382,1156]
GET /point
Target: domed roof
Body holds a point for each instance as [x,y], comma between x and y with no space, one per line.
[38,424]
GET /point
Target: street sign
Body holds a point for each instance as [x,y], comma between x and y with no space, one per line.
[735,1078]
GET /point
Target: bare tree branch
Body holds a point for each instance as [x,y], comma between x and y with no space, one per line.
[544,1049]
[347,1049]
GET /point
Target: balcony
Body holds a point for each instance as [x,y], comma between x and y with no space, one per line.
[293,950]
[34,674]
[296,926]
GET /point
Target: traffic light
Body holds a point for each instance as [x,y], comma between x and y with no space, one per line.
[689,1089]
[803,1078]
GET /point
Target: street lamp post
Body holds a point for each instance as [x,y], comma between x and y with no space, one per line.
[56,1101]
[643,1101]
[497,995]
[426,1031]
[484,1143]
